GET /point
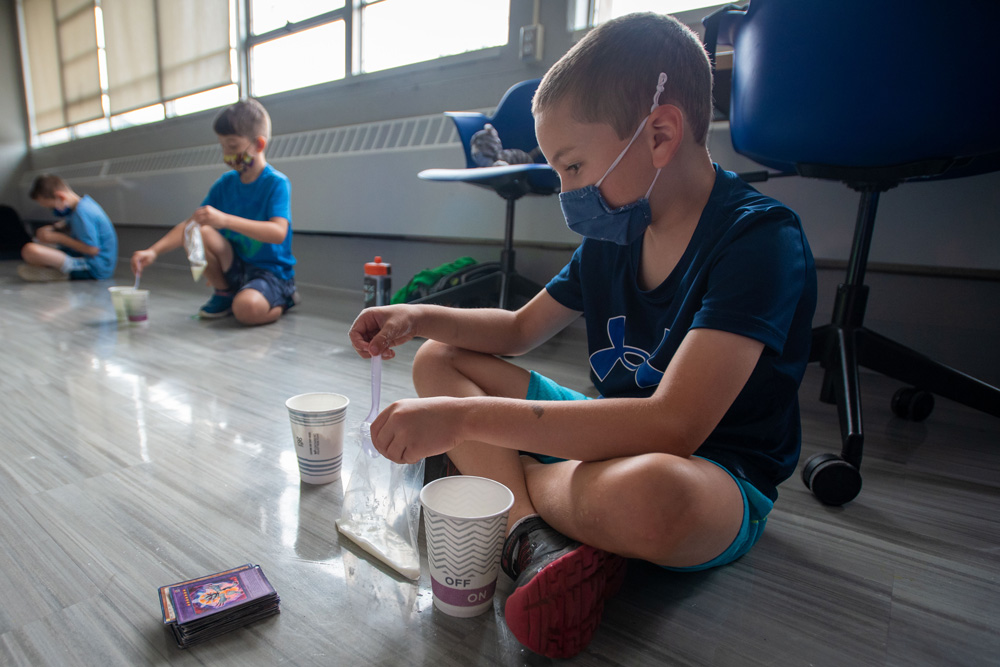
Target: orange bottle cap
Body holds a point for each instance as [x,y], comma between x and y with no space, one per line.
[377,268]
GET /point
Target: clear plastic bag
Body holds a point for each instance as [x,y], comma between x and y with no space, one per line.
[381,510]
[195,248]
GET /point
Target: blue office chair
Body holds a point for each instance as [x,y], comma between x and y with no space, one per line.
[873,94]
[516,128]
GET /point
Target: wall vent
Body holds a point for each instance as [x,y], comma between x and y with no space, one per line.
[394,135]
[355,179]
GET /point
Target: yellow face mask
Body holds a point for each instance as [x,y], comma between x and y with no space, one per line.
[239,161]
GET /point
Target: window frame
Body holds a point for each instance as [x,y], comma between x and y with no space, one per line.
[242,41]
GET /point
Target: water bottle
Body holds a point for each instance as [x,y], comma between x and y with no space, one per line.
[377,282]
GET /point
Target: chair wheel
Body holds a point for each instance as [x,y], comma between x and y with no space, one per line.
[912,404]
[831,479]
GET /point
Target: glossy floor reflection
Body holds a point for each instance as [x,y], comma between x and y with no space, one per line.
[132,457]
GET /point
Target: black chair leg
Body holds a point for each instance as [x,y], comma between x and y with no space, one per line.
[836,349]
[834,479]
[906,365]
[841,350]
[518,285]
[499,287]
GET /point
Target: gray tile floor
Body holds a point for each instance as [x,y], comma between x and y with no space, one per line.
[132,457]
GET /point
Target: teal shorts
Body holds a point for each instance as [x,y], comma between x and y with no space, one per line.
[756,506]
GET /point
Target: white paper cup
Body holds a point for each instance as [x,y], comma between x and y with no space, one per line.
[118,301]
[465,519]
[136,304]
[318,434]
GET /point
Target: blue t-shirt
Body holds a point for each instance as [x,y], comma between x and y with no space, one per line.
[747,270]
[88,223]
[269,196]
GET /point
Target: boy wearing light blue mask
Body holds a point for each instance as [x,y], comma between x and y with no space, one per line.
[698,294]
[245,223]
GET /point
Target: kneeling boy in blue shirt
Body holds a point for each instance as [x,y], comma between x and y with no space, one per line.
[245,223]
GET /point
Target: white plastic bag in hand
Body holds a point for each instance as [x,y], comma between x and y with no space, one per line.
[381,510]
[195,247]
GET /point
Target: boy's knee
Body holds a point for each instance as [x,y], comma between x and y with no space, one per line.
[433,353]
[251,308]
[656,504]
[431,357]
[28,251]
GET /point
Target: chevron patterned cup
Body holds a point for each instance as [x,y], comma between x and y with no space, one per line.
[318,434]
[465,519]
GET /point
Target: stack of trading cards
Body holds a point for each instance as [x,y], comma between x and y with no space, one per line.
[212,605]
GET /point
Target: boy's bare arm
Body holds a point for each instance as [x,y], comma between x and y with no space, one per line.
[487,330]
[169,241]
[267,231]
[703,379]
[49,234]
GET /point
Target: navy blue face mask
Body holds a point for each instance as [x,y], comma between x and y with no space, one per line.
[587,212]
[62,212]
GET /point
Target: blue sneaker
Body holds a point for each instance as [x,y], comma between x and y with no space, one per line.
[220,305]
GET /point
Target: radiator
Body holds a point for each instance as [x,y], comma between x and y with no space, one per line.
[358,179]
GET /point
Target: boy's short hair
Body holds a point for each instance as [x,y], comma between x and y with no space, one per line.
[247,118]
[47,185]
[610,75]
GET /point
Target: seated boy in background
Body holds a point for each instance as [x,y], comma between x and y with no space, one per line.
[246,225]
[83,246]
[698,294]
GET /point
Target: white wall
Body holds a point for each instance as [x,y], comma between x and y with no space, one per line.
[949,224]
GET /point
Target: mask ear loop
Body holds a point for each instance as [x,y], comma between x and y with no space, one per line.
[661,81]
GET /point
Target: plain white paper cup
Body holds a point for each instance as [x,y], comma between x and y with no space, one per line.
[318,434]
[465,519]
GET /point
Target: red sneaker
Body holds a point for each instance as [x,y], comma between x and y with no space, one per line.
[560,588]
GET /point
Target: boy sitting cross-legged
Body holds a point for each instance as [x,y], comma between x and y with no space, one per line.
[698,294]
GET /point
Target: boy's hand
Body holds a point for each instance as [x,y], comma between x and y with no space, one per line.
[209,215]
[415,428]
[47,234]
[378,330]
[142,259]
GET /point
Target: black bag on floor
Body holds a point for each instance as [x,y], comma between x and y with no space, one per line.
[13,233]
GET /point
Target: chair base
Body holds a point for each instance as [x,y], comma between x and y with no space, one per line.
[496,289]
[503,284]
[846,344]
[841,350]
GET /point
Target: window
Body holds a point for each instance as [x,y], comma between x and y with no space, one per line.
[402,32]
[296,43]
[384,34]
[588,13]
[94,66]
[65,75]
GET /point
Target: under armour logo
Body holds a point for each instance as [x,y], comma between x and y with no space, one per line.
[633,359]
